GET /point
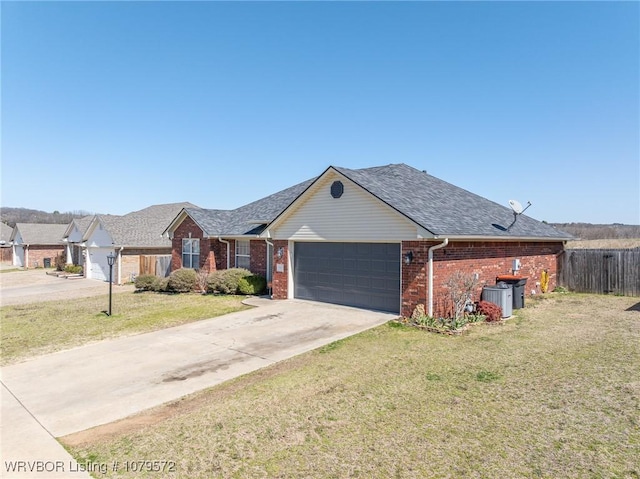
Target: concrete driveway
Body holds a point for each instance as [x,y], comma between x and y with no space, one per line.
[35,285]
[73,390]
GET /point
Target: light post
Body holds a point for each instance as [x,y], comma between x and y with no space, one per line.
[111,259]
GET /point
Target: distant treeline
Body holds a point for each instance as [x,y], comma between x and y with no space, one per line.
[588,231]
[11,216]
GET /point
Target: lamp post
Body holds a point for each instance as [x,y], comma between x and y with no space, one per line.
[111,259]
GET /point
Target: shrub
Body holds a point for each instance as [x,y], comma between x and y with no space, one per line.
[202,278]
[61,262]
[160,285]
[476,318]
[182,280]
[493,312]
[73,269]
[254,284]
[145,282]
[226,281]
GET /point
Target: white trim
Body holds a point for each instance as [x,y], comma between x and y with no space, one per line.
[290,282]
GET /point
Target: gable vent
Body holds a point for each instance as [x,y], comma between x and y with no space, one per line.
[337,188]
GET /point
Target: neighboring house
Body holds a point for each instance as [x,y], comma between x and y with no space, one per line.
[37,244]
[385,238]
[73,237]
[136,240]
[6,249]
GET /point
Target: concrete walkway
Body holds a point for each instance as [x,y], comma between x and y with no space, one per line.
[74,390]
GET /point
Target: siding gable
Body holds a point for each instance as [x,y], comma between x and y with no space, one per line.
[355,216]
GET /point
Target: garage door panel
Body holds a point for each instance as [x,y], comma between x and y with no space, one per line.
[356,274]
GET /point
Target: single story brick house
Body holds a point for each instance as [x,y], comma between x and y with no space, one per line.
[35,244]
[6,249]
[135,239]
[386,238]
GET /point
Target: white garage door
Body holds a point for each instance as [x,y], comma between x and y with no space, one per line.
[99,266]
[19,257]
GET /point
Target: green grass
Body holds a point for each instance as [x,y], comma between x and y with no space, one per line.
[12,270]
[555,393]
[38,328]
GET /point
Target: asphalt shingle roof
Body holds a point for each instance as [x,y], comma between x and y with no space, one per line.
[445,209]
[248,219]
[5,232]
[40,233]
[439,207]
[143,228]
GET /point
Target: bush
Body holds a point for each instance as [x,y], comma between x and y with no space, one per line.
[73,269]
[493,312]
[145,282]
[226,281]
[61,262]
[182,280]
[253,284]
[160,285]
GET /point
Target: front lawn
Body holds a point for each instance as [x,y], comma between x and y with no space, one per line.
[39,328]
[553,393]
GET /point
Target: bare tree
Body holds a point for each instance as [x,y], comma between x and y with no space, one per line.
[461,287]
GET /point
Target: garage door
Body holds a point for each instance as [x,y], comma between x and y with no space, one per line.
[365,275]
[99,264]
[19,258]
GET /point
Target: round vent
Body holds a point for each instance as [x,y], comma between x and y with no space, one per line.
[337,188]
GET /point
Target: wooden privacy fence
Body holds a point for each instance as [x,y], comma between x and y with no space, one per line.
[158,265]
[604,271]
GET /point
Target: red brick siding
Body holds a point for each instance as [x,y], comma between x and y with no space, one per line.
[280,281]
[213,252]
[488,260]
[37,253]
[6,255]
[258,260]
[207,256]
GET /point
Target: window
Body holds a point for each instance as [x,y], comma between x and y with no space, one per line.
[243,254]
[191,253]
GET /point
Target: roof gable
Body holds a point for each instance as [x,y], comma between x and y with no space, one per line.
[446,209]
[39,233]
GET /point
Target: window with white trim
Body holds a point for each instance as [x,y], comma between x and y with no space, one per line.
[243,254]
[190,253]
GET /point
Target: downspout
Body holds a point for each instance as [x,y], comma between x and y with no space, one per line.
[228,249]
[26,256]
[431,250]
[269,263]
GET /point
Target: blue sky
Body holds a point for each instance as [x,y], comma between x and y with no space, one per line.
[114,106]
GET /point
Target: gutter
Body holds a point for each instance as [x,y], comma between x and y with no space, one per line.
[269,262]
[228,249]
[430,287]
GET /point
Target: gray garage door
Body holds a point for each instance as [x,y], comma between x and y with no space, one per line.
[365,275]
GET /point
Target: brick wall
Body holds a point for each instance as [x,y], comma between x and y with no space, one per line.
[188,226]
[213,252]
[488,260]
[6,255]
[130,263]
[280,280]
[258,249]
[37,253]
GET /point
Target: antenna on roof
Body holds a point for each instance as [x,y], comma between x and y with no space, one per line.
[517,210]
